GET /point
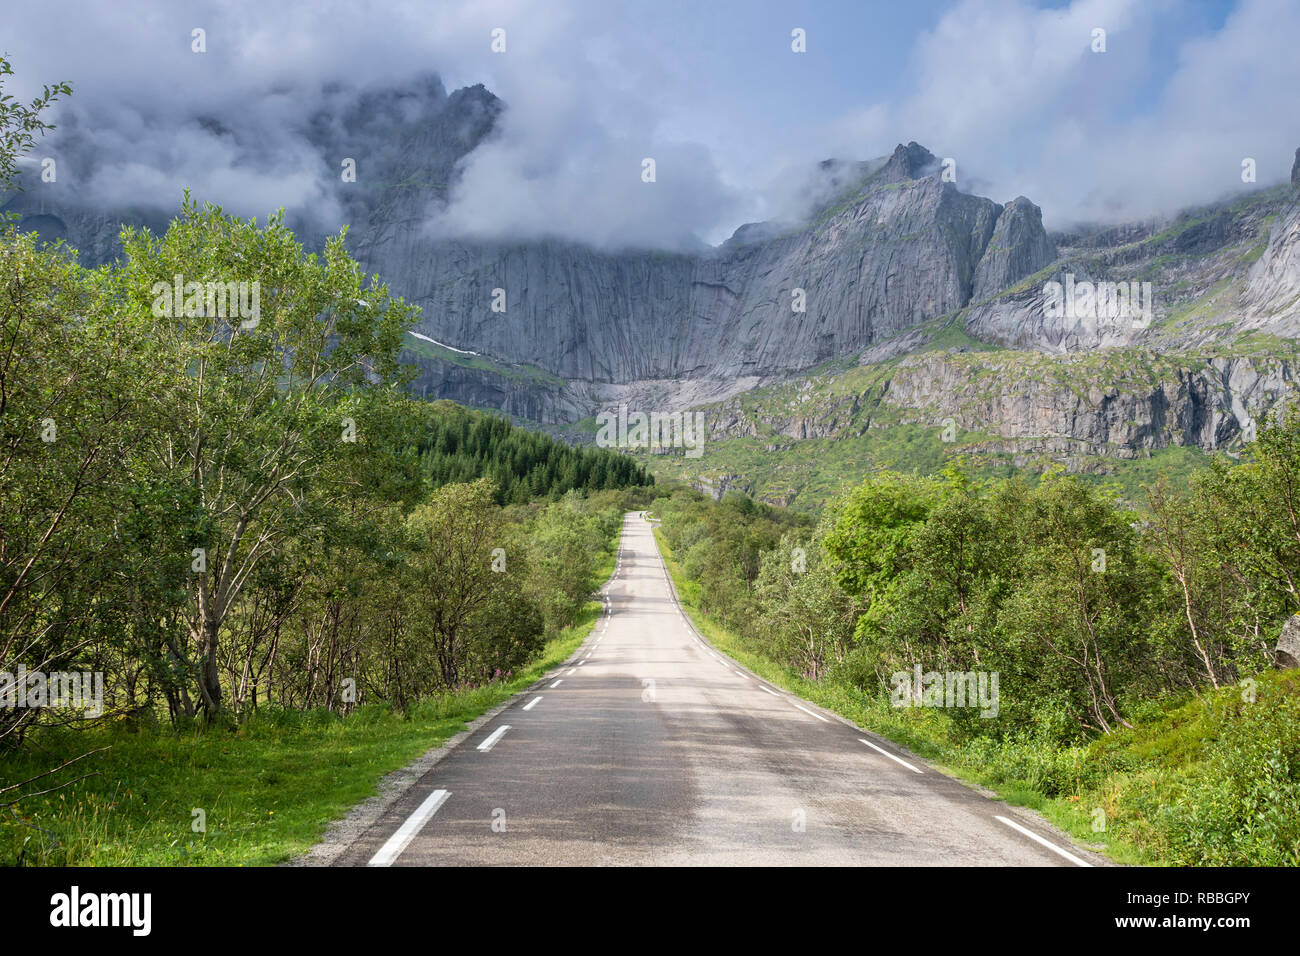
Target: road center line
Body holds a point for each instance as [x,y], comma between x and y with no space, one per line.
[891,756]
[1037,839]
[491,742]
[533,703]
[407,831]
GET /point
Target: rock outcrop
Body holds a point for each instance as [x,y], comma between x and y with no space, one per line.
[1273,284]
[895,255]
[1019,247]
[1287,652]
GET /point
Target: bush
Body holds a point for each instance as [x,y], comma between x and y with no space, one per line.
[1243,807]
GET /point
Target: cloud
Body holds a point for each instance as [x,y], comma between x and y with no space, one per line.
[252,122]
[1011,91]
[571,181]
[1017,96]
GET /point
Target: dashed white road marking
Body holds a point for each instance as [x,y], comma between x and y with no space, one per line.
[496,735]
[533,703]
[811,714]
[571,670]
[1037,839]
[407,831]
[769,690]
[558,682]
[891,756]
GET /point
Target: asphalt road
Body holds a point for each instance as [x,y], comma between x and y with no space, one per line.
[651,748]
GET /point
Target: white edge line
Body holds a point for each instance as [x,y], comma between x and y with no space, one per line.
[769,690]
[407,831]
[811,714]
[496,735]
[1037,839]
[558,682]
[891,756]
[533,703]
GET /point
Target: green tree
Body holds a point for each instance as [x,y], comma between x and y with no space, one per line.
[20,125]
[262,397]
[805,620]
[464,570]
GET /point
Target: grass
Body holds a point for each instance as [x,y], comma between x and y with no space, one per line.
[518,372]
[1195,782]
[267,789]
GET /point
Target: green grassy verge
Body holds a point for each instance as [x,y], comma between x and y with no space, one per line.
[1195,782]
[513,373]
[268,789]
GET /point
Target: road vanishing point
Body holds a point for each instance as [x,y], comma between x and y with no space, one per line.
[649,747]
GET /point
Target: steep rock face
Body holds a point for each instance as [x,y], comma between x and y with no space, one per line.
[1273,284]
[894,248]
[1019,320]
[908,162]
[1198,267]
[1119,408]
[886,259]
[1205,405]
[1019,247]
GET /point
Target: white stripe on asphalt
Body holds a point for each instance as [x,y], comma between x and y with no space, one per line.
[1037,839]
[811,714]
[533,703]
[571,670]
[491,742]
[891,756]
[558,682]
[769,690]
[407,831]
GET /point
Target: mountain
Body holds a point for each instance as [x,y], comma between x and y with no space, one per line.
[901,304]
[898,249]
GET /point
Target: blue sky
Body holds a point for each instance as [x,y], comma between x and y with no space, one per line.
[1009,88]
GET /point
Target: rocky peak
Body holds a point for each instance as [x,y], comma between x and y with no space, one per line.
[908,162]
[1019,247]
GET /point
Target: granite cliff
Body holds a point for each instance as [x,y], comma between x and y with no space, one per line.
[937,293]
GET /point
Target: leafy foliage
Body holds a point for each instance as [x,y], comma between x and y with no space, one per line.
[222,511]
